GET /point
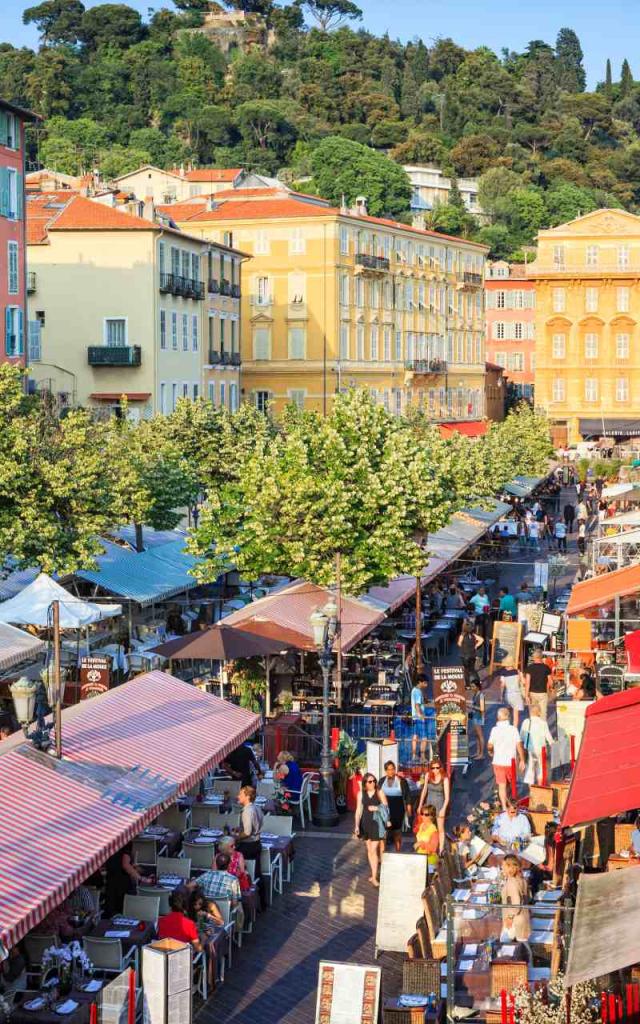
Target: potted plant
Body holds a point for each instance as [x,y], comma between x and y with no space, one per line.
[248,681]
[349,765]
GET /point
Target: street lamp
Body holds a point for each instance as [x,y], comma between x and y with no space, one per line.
[31,705]
[324,625]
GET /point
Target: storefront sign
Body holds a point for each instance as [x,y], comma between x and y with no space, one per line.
[507,637]
[449,694]
[347,993]
[95,676]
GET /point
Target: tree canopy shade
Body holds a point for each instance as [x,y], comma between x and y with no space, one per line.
[342,168]
[331,13]
[571,74]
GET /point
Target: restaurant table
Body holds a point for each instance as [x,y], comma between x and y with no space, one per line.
[168,837]
[48,1016]
[136,936]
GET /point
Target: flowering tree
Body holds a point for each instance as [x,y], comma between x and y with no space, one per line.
[360,482]
[520,444]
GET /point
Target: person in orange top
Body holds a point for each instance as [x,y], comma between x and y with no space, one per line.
[176,924]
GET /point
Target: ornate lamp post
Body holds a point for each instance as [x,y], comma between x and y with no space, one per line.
[31,705]
[324,624]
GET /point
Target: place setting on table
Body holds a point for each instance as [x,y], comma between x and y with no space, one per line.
[66,990]
[130,931]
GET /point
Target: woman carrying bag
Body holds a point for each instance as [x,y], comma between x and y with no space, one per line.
[371,823]
[469,643]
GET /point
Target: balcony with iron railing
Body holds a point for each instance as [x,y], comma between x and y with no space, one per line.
[223,358]
[213,286]
[187,287]
[426,365]
[377,263]
[471,279]
[114,355]
[235,291]
[225,286]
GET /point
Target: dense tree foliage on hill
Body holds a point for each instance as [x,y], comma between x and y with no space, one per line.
[117,92]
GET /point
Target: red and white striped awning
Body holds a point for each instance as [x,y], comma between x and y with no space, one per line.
[127,754]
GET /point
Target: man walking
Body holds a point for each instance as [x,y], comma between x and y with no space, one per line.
[569,516]
[538,683]
[560,533]
[418,717]
[504,746]
[582,538]
[535,735]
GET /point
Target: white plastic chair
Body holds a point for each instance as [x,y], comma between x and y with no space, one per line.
[199,973]
[228,917]
[303,799]
[150,892]
[201,855]
[278,824]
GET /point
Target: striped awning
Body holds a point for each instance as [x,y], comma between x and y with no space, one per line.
[143,576]
[17,646]
[127,755]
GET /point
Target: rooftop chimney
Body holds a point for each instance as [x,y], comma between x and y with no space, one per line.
[148,208]
[361,206]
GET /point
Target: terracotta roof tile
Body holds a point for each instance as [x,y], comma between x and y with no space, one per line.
[185,210]
[83,214]
[213,174]
[268,208]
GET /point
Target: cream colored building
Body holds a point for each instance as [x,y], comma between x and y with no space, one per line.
[587,276]
[335,298]
[431,188]
[120,305]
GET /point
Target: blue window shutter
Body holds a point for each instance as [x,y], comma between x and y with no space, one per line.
[20,193]
[4,191]
[8,324]
[4,127]
[20,333]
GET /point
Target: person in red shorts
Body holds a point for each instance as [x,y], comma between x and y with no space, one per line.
[176,925]
[504,746]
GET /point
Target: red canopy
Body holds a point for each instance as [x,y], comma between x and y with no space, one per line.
[470,428]
[603,589]
[606,779]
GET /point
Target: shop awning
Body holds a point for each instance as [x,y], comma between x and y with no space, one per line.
[606,778]
[156,574]
[605,937]
[291,606]
[17,646]
[617,490]
[603,589]
[32,606]
[470,428]
[623,519]
[127,755]
[590,428]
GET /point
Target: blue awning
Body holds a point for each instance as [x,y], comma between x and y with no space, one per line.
[145,576]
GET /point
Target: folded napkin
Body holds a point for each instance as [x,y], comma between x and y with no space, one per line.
[67,1007]
[34,1004]
[131,922]
[269,835]
[406,1000]
[204,839]
[93,986]
[116,935]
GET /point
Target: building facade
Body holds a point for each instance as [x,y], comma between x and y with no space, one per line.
[431,188]
[495,392]
[587,277]
[510,301]
[336,298]
[121,305]
[13,275]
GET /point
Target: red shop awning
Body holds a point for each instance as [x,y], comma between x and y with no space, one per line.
[127,755]
[606,778]
[604,589]
[470,428]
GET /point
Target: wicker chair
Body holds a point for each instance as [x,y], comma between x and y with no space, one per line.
[438,888]
[560,794]
[394,1014]
[540,820]
[445,875]
[434,918]
[422,931]
[622,837]
[414,948]
[508,976]
[421,977]
[540,798]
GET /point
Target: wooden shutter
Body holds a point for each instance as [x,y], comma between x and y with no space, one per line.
[35,342]
[8,327]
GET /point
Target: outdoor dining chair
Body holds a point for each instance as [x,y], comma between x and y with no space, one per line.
[278,824]
[199,974]
[179,866]
[142,908]
[229,919]
[147,851]
[34,947]
[303,799]
[174,818]
[201,855]
[265,787]
[222,821]
[230,786]
[271,870]
[107,957]
[149,892]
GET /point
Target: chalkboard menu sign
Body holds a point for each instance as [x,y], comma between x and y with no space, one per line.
[507,639]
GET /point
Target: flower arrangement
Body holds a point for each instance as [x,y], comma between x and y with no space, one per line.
[69,962]
[531,1007]
[5,1008]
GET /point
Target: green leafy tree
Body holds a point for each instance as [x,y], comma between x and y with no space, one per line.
[357,482]
[57,21]
[341,167]
[569,58]
[115,25]
[567,201]
[520,444]
[626,78]
[330,13]
[474,154]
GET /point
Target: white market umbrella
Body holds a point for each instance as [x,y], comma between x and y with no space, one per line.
[32,606]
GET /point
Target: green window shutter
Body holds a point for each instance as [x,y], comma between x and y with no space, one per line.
[8,325]
[4,191]
[19,349]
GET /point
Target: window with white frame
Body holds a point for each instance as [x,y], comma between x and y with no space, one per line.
[500,300]
[558,298]
[195,266]
[398,351]
[174,395]
[261,343]
[163,328]
[558,346]
[386,399]
[212,392]
[374,343]
[297,397]
[344,289]
[558,256]
[186,264]
[185,332]
[344,341]
[519,299]
[359,292]
[592,255]
[558,390]
[518,330]
[115,331]
[591,300]
[374,294]
[223,394]
[501,358]
[264,291]
[397,401]
[622,300]
[297,343]
[34,342]
[516,361]
[261,243]
[498,330]
[622,389]
[297,244]
[163,398]
[194,332]
[13,326]
[262,401]
[344,240]
[623,256]
[591,346]
[233,397]
[591,389]
[174,331]
[13,273]
[360,342]
[386,344]
[297,288]
[622,345]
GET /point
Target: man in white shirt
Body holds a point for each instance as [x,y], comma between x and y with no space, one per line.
[419,719]
[504,746]
[560,533]
[510,825]
[535,734]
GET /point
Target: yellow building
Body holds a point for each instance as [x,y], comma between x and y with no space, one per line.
[587,275]
[121,304]
[336,297]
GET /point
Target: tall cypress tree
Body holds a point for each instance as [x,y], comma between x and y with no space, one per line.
[608,79]
[569,56]
[626,78]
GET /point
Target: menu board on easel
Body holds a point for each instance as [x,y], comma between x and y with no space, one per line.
[506,642]
[348,993]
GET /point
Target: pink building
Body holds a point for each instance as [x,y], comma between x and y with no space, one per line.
[510,320]
[13,273]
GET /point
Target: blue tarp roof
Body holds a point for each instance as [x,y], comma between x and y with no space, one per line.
[146,576]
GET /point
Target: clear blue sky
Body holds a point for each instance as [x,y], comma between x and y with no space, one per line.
[607,28]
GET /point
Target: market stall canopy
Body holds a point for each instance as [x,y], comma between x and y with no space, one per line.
[15,581]
[613,428]
[145,577]
[619,490]
[605,937]
[219,643]
[603,589]
[523,486]
[622,519]
[470,428]
[289,608]
[17,646]
[32,606]
[632,651]
[606,778]
[127,755]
